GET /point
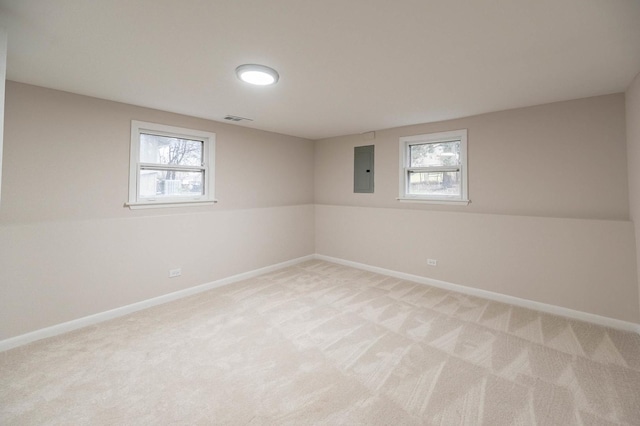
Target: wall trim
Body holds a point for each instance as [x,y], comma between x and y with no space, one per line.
[65,327]
[68,326]
[498,297]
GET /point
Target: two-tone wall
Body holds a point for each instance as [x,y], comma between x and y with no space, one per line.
[549,217]
[68,246]
[548,222]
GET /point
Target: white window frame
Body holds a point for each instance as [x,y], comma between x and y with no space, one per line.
[405,144]
[208,166]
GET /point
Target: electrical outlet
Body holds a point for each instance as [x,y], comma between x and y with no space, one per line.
[175,272]
[432,262]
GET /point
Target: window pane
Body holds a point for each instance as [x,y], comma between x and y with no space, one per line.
[170,183]
[167,150]
[435,154]
[446,184]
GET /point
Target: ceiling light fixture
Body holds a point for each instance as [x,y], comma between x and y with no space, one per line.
[257,74]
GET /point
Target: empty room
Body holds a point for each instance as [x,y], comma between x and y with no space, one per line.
[319,212]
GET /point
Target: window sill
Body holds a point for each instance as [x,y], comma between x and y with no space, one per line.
[158,205]
[427,201]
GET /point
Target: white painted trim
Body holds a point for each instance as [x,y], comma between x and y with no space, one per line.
[208,165]
[404,166]
[498,297]
[427,201]
[65,327]
[134,206]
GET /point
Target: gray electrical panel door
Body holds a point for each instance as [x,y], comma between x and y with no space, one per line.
[363,157]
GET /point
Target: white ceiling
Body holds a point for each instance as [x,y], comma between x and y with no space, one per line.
[346,66]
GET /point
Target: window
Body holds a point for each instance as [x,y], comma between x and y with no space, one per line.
[433,168]
[170,166]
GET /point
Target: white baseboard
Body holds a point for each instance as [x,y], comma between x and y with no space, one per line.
[65,327]
[498,297]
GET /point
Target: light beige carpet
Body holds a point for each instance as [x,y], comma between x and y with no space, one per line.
[320,343]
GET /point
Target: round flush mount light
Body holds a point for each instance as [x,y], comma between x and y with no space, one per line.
[259,75]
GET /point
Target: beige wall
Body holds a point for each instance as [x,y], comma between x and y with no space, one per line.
[548,160]
[580,264]
[68,247]
[548,219]
[68,159]
[3,72]
[632,97]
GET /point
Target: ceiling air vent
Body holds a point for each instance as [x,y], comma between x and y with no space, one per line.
[236,118]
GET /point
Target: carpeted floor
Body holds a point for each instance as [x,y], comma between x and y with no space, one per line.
[320,343]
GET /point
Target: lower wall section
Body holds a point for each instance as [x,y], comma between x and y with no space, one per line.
[583,265]
[53,272]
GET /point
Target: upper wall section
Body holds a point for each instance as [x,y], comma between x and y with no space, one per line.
[3,73]
[566,159]
[67,158]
